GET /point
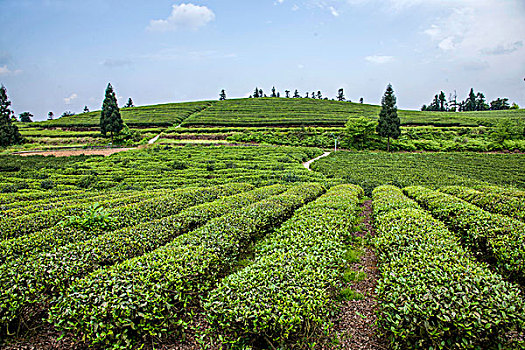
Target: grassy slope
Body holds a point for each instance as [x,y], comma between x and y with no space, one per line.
[277,112]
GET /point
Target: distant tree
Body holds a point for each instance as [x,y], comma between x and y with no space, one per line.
[287,92]
[296,94]
[470,102]
[256,93]
[499,104]
[361,100]
[480,102]
[359,130]
[453,102]
[50,116]
[278,94]
[86,109]
[424,108]
[67,114]
[307,95]
[129,104]
[389,123]
[25,117]
[340,95]
[319,95]
[9,134]
[313,95]
[514,106]
[222,95]
[273,92]
[261,93]
[442,102]
[110,119]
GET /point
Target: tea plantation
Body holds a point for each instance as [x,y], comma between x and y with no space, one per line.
[217,237]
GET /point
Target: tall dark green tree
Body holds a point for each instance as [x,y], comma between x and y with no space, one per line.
[287,92]
[470,102]
[9,134]
[110,119]
[389,125]
[222,95]
[340,95]
[442,102]
[256,93]
[274,94]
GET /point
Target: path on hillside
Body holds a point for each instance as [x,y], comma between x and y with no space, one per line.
[153,140]
[307,164]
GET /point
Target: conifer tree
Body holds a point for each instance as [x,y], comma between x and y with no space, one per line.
[273,92]
[256,93]
[319,95]
[389,123]
[110,119]
[296,94]
[287,92]
[129,104]
[9,134]
[222,95]
[340,95]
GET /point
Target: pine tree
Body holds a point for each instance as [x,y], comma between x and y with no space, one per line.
[222,95]
[296,94]
[9,134]
[273,92]
[287,92]
[389,123]
[442,102]
[340,95]
[129,104]
[470,103]
[256,93]
[319,95]
[110,119]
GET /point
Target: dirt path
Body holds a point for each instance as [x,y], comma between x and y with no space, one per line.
[74,152]
[153,140]
[354,325]
[307,164]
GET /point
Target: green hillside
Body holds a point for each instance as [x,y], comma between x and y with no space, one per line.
[281,112]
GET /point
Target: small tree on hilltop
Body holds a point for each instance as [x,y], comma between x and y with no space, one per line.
[389,123]
[296,94]
[26,117]
[256,93]
[86,109]
[222,95]
[274,94]
[110,119]
[50,116]
[287,92]
[9,134]
[340,95]
[129,104]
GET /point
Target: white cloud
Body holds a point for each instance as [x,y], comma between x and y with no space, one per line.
[379,59]
[489,27]
[4,70]
[70,99]
[333,11]
[183,16]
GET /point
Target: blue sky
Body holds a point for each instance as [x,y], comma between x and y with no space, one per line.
[58,55]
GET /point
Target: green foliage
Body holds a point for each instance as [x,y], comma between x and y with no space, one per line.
[93,219]
[427,169]
[359,131]
[432,292]
[389,124]
[9,134]
[25,117]
[286,293]
[36,277]
[110,119]
[189,265]
[127,136]
[492,237]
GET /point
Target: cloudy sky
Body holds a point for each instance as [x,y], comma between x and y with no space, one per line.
[58,55]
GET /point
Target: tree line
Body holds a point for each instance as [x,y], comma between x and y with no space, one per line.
[259,93]
[474,102]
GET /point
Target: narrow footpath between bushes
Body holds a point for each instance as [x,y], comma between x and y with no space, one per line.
[354,324]
[307,164]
